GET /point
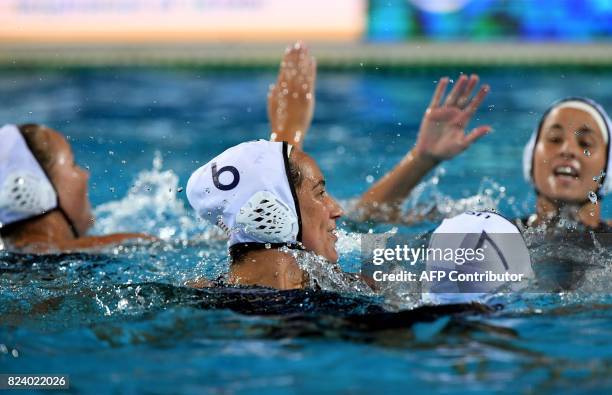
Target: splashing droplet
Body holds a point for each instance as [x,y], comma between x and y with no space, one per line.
[587,152]
[599,179]
[122,304]
[592,197]
[268,246]
[179,189]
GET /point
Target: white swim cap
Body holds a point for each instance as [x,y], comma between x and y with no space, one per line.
[25,190]
[247,192]
[600,116]
[502,250]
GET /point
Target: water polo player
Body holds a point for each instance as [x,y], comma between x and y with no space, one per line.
[267,197]
[567,160]
[44,203]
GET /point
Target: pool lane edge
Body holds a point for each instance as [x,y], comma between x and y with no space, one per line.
[329,55]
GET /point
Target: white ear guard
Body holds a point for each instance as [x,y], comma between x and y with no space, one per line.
[267,218]
[246,191]
[25,190]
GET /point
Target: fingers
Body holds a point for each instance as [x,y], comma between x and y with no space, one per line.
[297,73]
[476,133]
[439,92]
[457,91]
[475,103]
[465,96]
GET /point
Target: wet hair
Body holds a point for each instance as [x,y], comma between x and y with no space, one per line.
[238,252]
[37,141]
[295,174]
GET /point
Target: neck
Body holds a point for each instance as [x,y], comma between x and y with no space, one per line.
[547,210]
[267,268]
[42,233]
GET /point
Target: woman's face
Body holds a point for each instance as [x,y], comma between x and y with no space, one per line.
[318,210]
[70,181]
[569,153]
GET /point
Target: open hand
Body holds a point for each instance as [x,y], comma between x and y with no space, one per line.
[291,99]
[442,132]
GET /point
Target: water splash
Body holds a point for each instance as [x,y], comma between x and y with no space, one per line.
[152,206]
[598,179]
[427,202]
[328,276]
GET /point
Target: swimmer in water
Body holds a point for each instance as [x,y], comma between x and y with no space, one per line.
[44,202]
[567,160]
[270,199]
[290,110]
[441,135]
[228,190]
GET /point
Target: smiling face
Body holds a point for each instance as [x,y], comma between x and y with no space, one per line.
[70,181]
[318,210]
[562,170]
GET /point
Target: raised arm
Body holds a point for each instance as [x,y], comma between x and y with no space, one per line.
[291,99]
[441,136]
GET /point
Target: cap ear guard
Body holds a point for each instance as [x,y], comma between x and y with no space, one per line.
[24,193]
[267,219]
[25,190]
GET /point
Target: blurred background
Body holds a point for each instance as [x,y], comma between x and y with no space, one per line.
[347,32]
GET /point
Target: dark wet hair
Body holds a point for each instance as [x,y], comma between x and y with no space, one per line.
[295,174]
[38,143]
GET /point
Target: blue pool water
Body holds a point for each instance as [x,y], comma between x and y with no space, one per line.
[120,322]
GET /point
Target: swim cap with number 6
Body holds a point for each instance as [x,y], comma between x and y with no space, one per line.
[246,191]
